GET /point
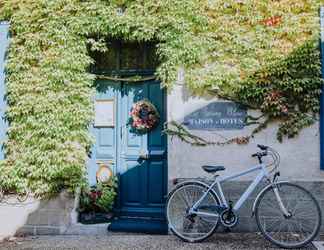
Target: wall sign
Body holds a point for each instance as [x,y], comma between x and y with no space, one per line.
[104,113]
[217,116]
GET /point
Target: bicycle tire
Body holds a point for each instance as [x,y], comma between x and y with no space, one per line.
[172,194]
[314,209]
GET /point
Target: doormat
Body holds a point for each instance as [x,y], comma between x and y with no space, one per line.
[139,225]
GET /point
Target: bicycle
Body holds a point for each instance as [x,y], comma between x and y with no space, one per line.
[286,214]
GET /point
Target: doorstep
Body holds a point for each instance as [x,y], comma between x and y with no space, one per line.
[139,225]
[87,229]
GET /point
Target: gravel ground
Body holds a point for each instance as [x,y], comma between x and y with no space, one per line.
[114,241]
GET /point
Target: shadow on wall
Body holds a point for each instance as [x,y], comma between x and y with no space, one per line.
[34,217]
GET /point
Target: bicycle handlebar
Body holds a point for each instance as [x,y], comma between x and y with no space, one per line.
[268,151]
[260,154]
[262,147]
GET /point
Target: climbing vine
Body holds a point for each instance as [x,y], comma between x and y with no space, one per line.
[262,53]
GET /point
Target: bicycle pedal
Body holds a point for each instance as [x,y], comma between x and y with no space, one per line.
[227,230]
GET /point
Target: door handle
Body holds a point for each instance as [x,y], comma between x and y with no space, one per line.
[144,156]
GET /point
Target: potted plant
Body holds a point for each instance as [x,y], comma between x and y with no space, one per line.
[96,202]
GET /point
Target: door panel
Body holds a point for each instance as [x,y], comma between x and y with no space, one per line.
[131,191]
[106,139]
[155,187]
[130,168]
[151,176]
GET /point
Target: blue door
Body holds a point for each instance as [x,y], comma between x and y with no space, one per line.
[139,161]
[142,166]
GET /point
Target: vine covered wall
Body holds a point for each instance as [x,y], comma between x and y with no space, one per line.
[262,53]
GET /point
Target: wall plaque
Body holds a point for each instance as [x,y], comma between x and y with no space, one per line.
[217,116]
[104,113]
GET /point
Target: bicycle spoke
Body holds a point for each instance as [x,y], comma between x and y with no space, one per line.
[191,227]
[185,200]
[274,223]
[295,230]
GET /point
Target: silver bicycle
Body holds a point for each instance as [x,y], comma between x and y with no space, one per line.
[287,214]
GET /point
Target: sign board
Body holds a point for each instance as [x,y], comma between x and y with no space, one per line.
[217,116]
[104,113]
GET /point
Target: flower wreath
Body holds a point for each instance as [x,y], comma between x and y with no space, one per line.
[143,117]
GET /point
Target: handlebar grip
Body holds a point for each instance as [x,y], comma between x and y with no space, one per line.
[262,147]
[259,154]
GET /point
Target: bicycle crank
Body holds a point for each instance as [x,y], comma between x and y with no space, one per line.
[228,218]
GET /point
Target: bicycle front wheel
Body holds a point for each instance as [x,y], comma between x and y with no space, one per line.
[192,228]
[295,229]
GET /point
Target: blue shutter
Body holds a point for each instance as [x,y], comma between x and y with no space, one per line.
[4,42]
[322,95]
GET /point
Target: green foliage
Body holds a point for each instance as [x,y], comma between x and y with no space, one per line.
[287,90]
[262,53]
[49,86]
[100,198]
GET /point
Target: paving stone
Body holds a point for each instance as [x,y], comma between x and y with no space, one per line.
[219,241]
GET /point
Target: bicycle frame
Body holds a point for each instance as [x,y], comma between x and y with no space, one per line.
[264,173]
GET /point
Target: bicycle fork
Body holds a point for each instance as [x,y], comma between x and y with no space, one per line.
[279,200]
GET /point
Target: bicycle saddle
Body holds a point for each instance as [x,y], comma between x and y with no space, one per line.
[212,169]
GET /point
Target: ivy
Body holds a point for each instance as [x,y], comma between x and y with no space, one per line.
[261,53]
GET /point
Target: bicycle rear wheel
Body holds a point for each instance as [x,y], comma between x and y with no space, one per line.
[302,223]
[187,227]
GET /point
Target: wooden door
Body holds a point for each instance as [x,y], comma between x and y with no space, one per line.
[139,160]
[143,158]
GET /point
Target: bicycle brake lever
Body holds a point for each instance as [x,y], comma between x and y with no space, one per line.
[275,176]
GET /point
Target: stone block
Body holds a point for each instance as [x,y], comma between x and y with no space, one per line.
[47,230]
[33,218]
[26,231]
[55,218]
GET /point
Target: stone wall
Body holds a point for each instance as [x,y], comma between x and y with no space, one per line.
[51,217]
[57,216]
